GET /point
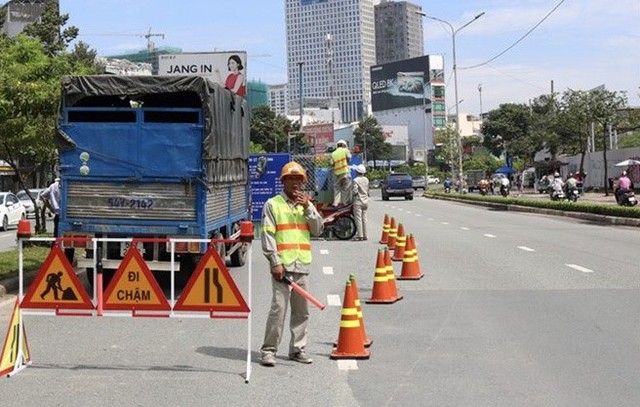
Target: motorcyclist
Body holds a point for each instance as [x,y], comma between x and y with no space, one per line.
[624,185]
[483,186]
[570,185]
[504,186]
[557,185]
[447,184]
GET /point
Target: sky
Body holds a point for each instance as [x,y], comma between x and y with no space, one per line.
[580,45]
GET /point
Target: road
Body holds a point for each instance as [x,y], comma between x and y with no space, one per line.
[515,309]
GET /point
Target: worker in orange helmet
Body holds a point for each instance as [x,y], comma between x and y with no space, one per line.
[288,221]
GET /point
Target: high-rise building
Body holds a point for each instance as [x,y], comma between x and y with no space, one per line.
[332,44]
[398,31]
[279,98]
[19,13]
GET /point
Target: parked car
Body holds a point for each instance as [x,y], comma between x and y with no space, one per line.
[432,179]
[419,182]
[375,183]
[397,184]
[11,210]
[26,201]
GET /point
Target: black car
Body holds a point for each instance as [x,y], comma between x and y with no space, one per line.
[397,184]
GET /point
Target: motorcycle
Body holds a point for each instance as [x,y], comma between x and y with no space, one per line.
[483,189]
[628,198]
[572,194]
[338,221]
[504,190]
[558,195]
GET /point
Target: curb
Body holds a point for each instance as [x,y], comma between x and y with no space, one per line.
[611,220]
[11,285]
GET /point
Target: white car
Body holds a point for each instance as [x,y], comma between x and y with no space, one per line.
[432,179]
[26,201]
[11,210]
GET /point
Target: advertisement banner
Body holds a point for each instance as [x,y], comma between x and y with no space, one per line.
[318,136]
[229,69]
[264,174]
[400,84]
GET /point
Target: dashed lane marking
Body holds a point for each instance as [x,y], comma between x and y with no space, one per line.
[579,268]
[444,223]
[324,251]
[526,249]
[489,235]
[464,228]
[327,270]
[334,300]
[347,364]
[429,219]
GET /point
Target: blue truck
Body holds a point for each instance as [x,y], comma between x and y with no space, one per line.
[152,157]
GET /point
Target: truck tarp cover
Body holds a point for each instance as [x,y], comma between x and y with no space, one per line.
[225,149]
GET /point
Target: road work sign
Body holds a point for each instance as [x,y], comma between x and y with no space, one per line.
[133,286]
[11,354]
[211,288]
[56,285]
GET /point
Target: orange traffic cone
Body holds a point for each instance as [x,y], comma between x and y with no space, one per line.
[415,252]
[393,233]
[381,293]
[391,277]
[350,343]
[410,265]
[385,230]
[401,241]
[366,341]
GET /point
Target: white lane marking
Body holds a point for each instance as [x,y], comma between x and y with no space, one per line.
[429,219]
[327,270]
[526,249]
[464,228]
[489,235]
[579,268]
[324,251]
[418,215]
[334,300]
[445,223]
[408,211]
[347,364]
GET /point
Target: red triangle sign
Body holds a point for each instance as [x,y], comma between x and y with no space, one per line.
[56,285]
[211,288]
[133,286]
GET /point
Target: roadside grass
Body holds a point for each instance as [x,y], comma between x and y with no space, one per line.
[34,256]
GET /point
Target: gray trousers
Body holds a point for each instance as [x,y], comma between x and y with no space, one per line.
[342,190]
[360,216]
[282,297]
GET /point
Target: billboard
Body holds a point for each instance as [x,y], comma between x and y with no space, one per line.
[229,68]
[318,136]
[400,84]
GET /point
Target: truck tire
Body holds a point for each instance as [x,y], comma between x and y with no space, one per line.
[239,257]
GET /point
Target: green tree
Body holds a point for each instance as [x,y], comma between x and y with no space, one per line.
[269,130]
[49,30]
[369,130]
[508,130]
[447,147]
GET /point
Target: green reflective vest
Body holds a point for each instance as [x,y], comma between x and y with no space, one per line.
[293,238]
[340,161]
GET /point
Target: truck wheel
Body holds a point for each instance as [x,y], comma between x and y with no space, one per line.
[239,257]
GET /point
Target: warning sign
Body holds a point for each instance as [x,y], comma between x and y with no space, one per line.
[211,288]
[133,286]
[56,285]
[10,355]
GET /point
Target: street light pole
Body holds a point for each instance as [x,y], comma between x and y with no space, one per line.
[455,82]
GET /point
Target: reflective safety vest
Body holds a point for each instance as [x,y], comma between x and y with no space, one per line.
[340,161]
[293,238]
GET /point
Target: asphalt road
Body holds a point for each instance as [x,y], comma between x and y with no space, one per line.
[515,309]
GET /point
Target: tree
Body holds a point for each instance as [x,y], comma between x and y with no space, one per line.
[447,146]
[84,60]
[508,130]
[49,29]
[268,130]
[377,147]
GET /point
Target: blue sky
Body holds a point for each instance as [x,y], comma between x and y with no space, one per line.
[583,44]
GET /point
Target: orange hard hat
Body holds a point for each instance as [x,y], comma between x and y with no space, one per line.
[293,168]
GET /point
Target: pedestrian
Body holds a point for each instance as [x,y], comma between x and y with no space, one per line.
[51,200]
[288,221]
[360,202]
[342,179]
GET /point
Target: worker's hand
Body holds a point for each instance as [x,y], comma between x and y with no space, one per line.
[300,198]
[277,272]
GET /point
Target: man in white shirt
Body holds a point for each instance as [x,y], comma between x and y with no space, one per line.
[51,200]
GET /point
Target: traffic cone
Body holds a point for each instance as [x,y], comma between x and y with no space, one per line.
[381,293]
[393,233]
[366,341]
[391,277]
[401,241]
[385,230]
[350,343]
[415,252]
[410,265]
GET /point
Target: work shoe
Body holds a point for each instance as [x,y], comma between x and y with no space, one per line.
[268,359]
[301,357]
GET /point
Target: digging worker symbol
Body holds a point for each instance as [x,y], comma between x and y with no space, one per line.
[53,283]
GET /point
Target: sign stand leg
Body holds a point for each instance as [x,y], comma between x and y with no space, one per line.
[250,256]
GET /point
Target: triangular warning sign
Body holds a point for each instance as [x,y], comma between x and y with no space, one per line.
[211,288]
[56,285]
[133,286]
[10,355]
